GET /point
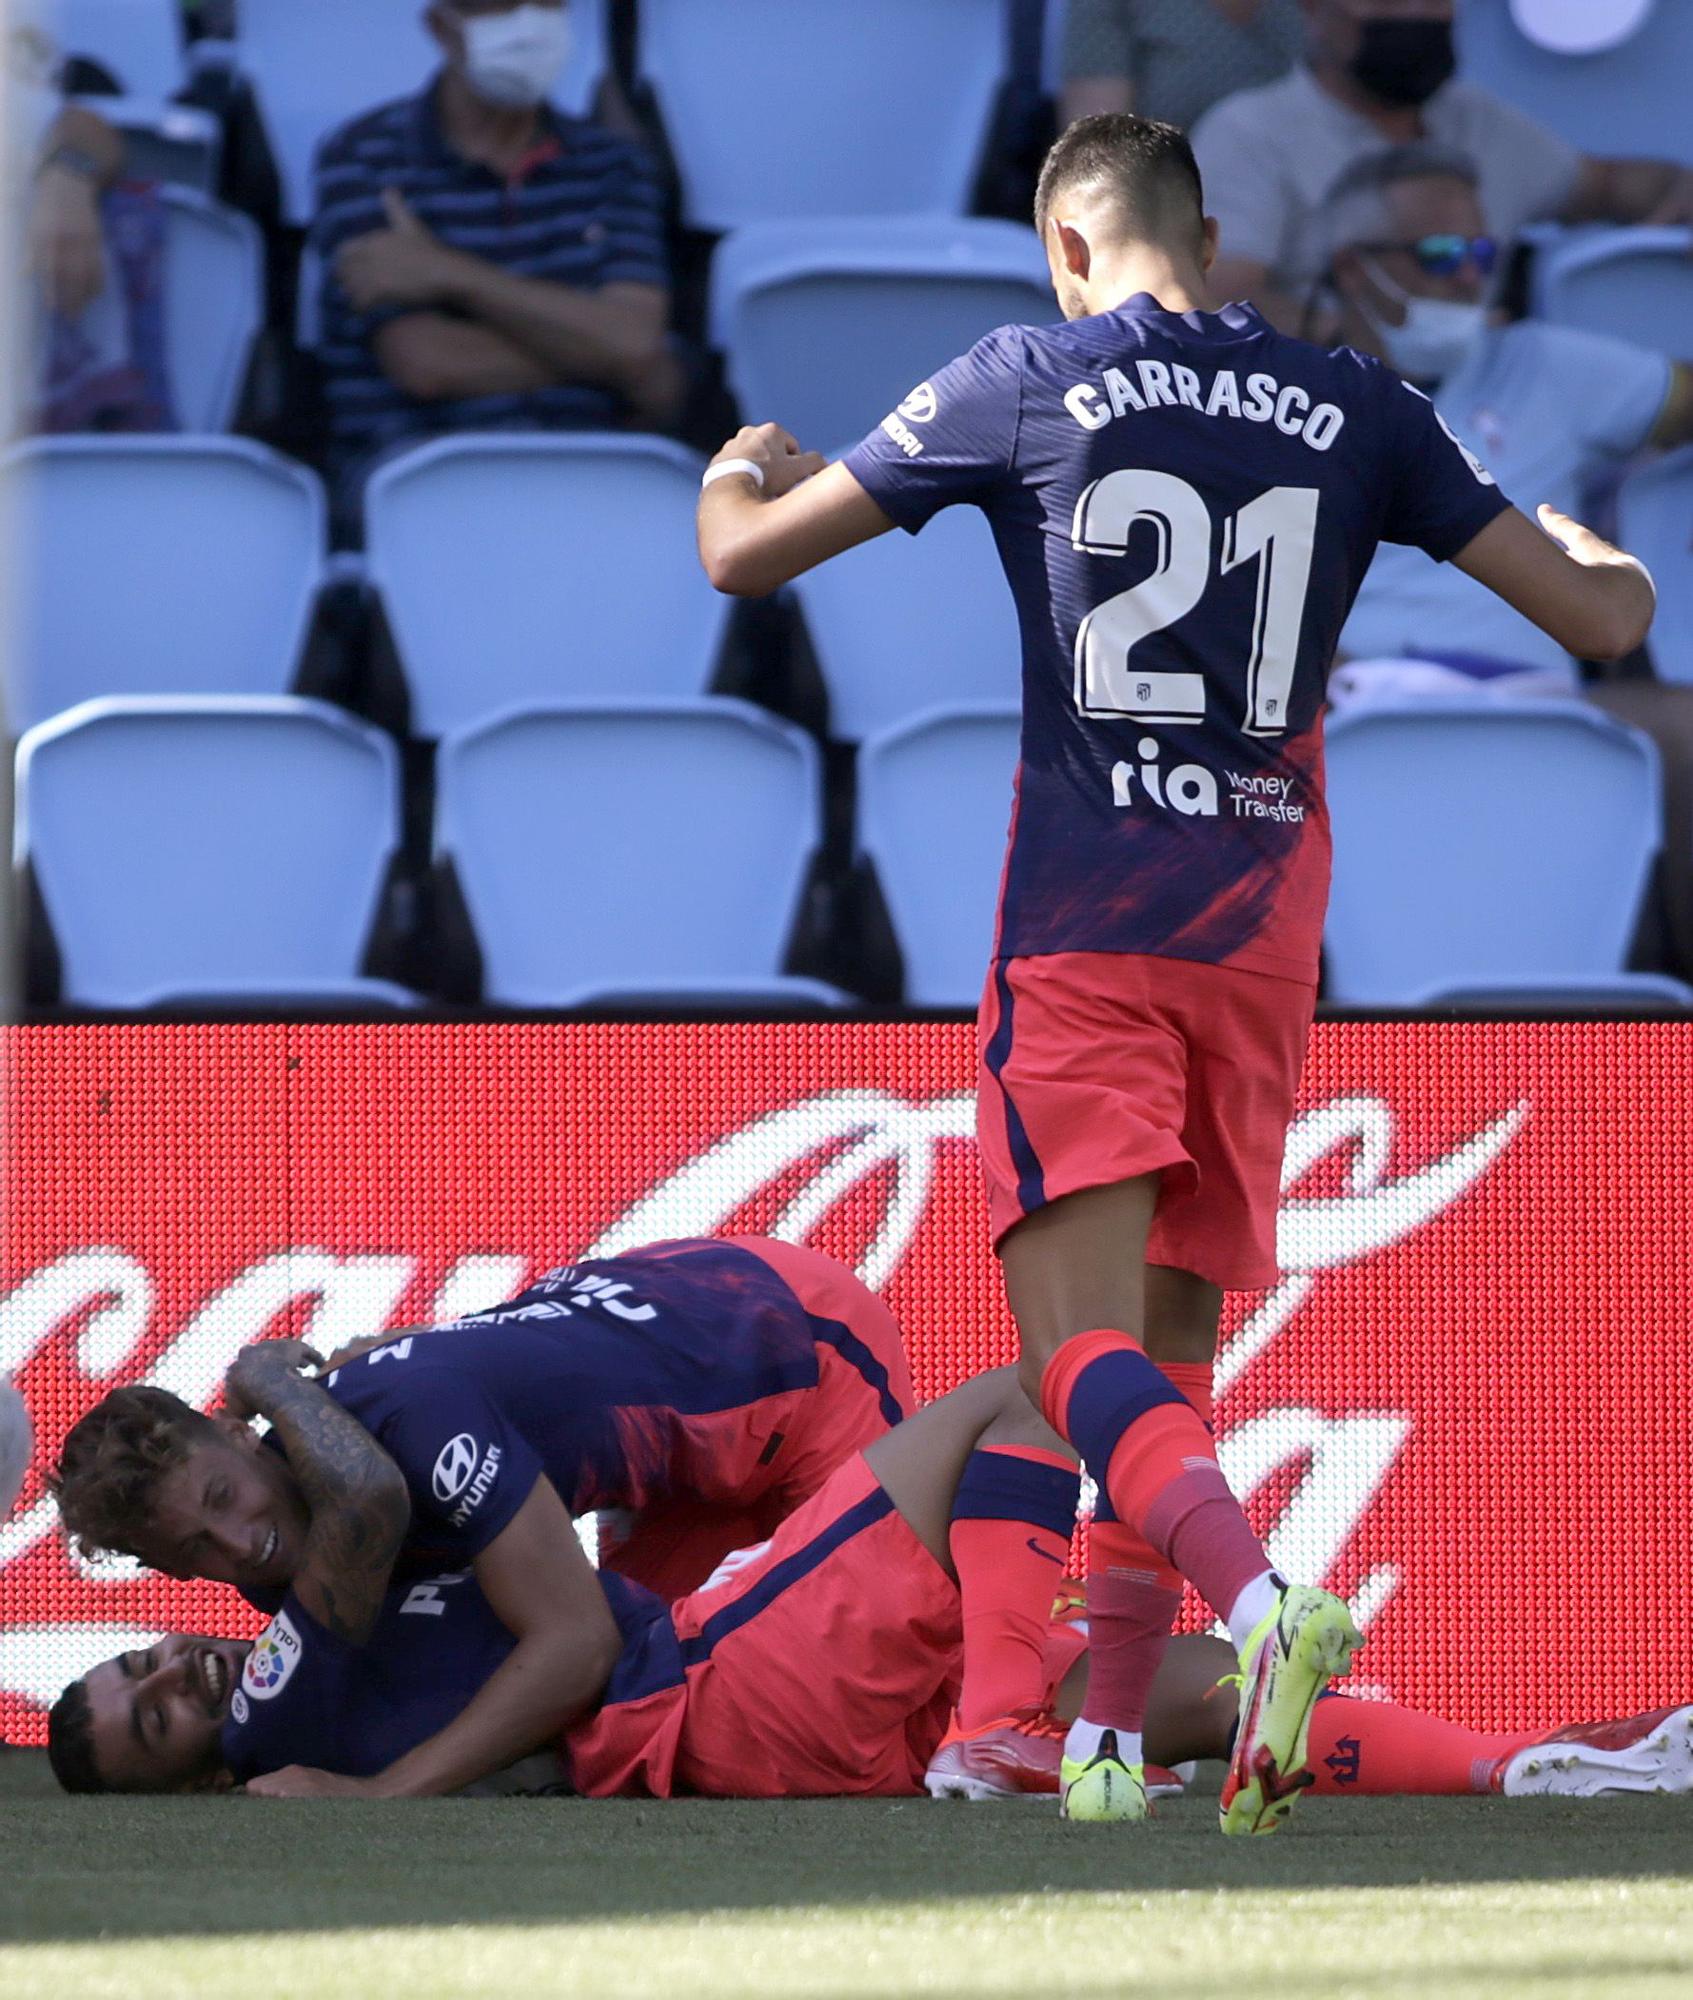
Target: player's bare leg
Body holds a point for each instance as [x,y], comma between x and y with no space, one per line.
[1079,1287]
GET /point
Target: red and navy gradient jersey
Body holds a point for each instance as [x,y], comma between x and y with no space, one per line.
[308,1697]
[1185,506]
[667,1373]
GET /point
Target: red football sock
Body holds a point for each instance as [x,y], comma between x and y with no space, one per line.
[1146,1445]
[1012,1519]
[1133,1597]
[1375,1747]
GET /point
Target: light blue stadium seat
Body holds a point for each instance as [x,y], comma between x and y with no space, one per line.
[214,306]
[906,623]
[1634,284]
[1485,849]
[880,107]
[1629,100]
[934,804]
[518,569]
[138,41]
[157,566]
[315,64]
[1655,521]
[828,324]
[196,848]
[658,847]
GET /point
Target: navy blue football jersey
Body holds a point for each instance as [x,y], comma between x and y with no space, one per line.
[1185,506]
[307,1697]
[625,1380]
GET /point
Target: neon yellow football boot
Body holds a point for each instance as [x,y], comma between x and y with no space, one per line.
[1290,1656]
[1102,1787]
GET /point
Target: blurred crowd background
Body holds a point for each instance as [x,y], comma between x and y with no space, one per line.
[363,359]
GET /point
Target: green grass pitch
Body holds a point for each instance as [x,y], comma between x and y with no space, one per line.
[526,1899]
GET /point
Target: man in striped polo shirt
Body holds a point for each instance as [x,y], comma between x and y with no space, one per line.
[488,264]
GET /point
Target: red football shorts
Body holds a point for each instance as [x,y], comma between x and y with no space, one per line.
[768,1458]
[1097,1067]
[825,1662]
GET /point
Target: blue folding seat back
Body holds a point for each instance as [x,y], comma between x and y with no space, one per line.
[138,42]
[934,804]
[648,847]
[316,64]
[828,325]
[214,306]
[157,566]
[1634,284]
[880,107]
[1630,100]
[906,623]
[517,570]
[205,848]
[1477,846]
[1655,521]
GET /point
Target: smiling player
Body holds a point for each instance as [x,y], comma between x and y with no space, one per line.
[1185,503]
[709,1387]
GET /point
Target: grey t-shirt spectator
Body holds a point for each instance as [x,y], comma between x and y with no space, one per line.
[1269,157]
[1180,56]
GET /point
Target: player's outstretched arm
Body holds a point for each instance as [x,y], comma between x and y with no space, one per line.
[360,1508]
[543,1588]
[1595,600]
[754,537]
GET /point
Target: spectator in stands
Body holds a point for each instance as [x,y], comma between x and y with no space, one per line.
[80,157]
[1379,73]
[487,262]
[1173,59]
[1550,411]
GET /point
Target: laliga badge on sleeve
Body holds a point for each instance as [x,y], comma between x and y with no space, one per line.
[1580,27]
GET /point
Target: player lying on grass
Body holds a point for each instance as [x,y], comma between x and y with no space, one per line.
[825,1662]
[1185,503]
[678,1379]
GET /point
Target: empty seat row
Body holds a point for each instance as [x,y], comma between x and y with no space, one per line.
[519,570]
[230,849]
[1480,852]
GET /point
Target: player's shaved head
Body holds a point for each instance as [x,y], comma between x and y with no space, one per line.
[1138,174]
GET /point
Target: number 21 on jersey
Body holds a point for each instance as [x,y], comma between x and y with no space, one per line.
[1278,531]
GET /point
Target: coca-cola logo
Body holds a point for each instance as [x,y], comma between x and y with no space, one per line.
[818,1151]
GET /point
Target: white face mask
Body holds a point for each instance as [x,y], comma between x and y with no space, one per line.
[515,59]
[1437,337]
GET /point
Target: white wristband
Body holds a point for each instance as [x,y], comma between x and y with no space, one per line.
[731,466]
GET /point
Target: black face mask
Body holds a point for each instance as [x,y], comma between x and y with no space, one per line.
[1404,62]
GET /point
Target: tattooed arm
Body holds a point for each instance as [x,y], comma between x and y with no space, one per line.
[360,1508]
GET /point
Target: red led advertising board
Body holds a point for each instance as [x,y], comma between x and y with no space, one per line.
[1467,1405]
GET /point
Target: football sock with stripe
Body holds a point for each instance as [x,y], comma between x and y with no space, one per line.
[1152,1456]
[1134,1595]
[1371,1748]
[1012,1519]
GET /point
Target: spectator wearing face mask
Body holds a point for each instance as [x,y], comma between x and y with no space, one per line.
[1379,73]
[1550,411]
[1173,59]
[488,264]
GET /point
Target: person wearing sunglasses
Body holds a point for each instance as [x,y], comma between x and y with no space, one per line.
[1552,410]
[1380,73]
